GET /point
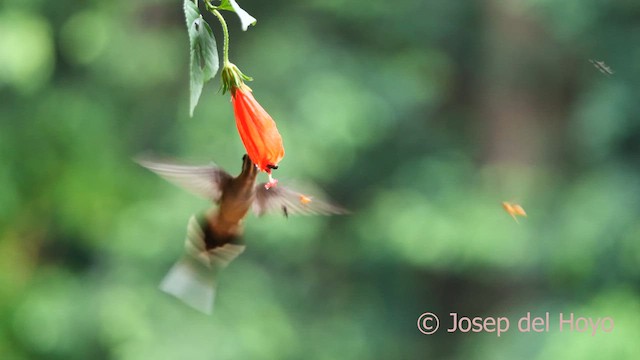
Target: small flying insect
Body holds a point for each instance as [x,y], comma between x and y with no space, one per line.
[514,210]
[600,65]
[304,199]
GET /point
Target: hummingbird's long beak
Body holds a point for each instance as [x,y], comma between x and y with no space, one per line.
[248,167]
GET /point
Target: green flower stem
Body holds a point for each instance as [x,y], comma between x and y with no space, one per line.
[225,32]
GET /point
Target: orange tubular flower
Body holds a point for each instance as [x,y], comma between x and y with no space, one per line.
[257,130]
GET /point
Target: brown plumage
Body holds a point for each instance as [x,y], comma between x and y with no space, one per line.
[214,239]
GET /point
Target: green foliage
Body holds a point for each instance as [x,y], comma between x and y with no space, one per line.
[203,50]
[29,66]
[420,120]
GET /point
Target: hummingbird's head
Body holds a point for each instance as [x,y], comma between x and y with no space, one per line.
[250,171]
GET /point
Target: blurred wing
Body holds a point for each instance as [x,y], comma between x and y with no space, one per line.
[204,181]
[290,202]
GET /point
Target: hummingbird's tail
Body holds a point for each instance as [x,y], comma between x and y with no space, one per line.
[193,278]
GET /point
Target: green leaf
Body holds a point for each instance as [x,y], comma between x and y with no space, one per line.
[191,12]
[204,53]
[245,18]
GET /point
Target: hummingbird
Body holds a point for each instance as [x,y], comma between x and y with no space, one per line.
[214,238]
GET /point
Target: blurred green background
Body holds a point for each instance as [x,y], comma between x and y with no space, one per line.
[419,116]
